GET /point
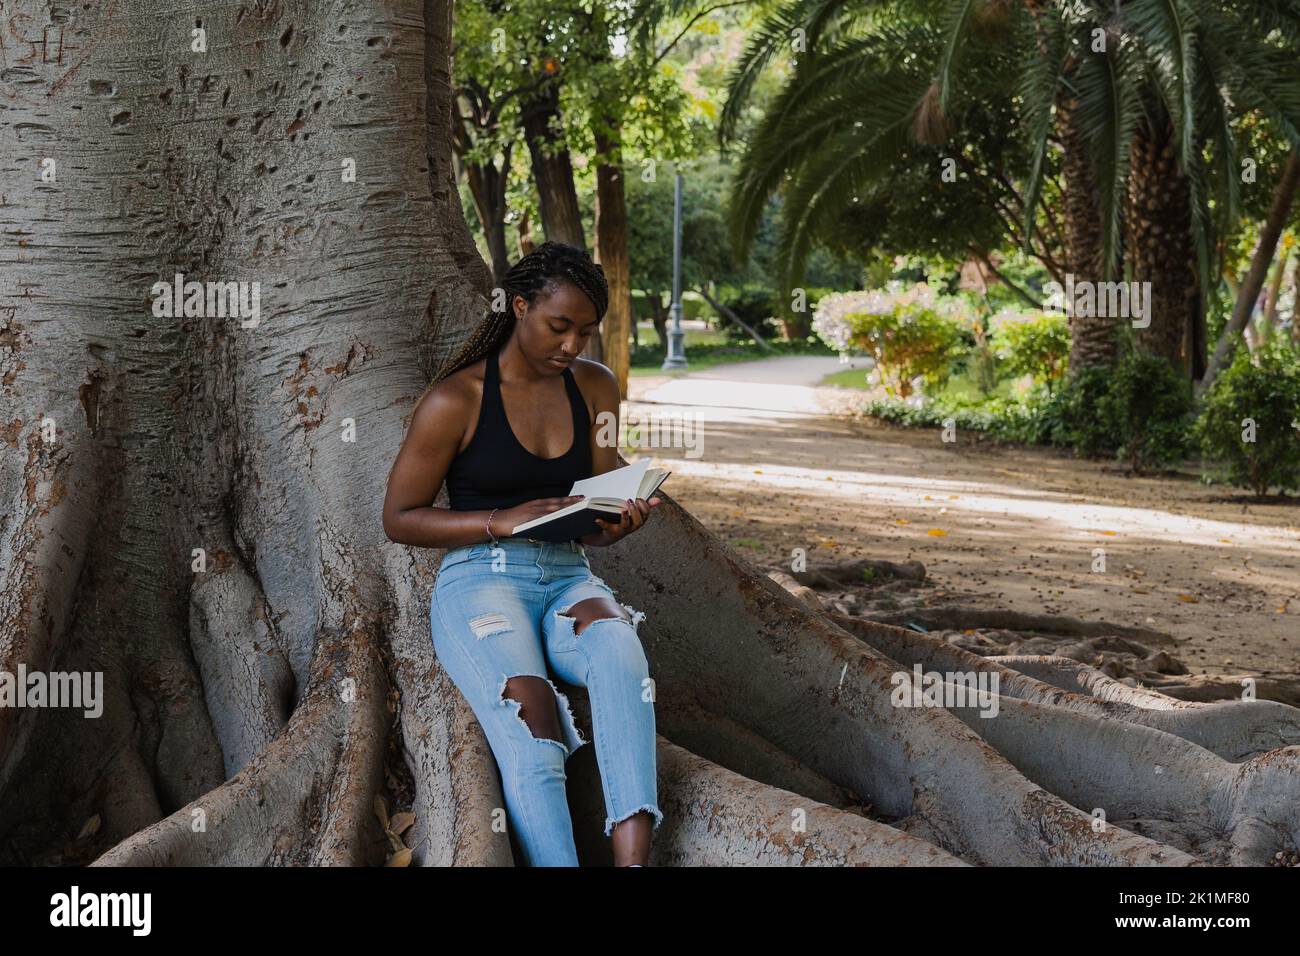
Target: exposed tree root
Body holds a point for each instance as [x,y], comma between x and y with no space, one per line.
[960,618]
[771,665]
[857,572]
[714,817]
[1233,730]
[306,799]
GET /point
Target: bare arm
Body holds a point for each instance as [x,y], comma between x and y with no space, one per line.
[605,399]
[431,443]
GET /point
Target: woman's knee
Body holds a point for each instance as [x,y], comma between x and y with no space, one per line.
[544,714]
[590,610]
[536,705]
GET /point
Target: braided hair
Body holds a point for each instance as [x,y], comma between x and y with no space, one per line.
[548,263]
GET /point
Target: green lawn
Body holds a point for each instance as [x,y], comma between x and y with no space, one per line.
[708,347]
[849,378]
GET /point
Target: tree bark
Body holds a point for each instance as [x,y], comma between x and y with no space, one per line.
[612,253]
[487,184]
[1093,340]
[203,528]
[1159,246]
[552,165]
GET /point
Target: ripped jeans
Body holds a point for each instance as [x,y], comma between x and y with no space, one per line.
[498,612]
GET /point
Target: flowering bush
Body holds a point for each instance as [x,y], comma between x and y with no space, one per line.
[909,332]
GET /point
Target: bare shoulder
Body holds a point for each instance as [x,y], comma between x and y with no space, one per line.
[597,382]
[445,408]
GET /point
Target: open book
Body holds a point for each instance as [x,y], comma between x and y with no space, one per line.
[607,495]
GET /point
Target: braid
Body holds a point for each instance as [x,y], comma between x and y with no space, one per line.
[549,262]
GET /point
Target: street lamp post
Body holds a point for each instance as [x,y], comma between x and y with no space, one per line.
[676,354]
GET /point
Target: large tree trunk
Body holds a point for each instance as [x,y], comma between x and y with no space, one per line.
[1093,341]
[1159,246]
[260,703]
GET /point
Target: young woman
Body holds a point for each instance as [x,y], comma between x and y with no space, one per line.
[510,423]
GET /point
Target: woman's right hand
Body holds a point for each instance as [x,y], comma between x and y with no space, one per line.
[507,518]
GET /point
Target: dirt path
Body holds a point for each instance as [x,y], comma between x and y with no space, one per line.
[996,527]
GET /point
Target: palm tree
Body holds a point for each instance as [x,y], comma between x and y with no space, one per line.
[1138,98]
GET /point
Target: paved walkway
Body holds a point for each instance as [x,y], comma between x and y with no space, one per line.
[787,384]
[1002,527]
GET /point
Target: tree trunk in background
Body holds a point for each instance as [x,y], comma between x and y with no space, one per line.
[611,252]
[1278,214]
[1159,247]
[1093,341]
[203,528]
[487,183]
[557,196]
[659,315]
[525,234]
[552,166]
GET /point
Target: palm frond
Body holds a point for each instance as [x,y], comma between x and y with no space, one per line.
[1108,112]
[1167,31]
[1042,46]
[856,85]
[773,36]
[960,15]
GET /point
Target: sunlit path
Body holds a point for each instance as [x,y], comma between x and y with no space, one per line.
[996,527]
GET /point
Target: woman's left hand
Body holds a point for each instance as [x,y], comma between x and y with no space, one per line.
[634,516]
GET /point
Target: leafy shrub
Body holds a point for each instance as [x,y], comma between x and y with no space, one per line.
[1251,419]
[908,332]
[1149,403]
[1140,410]
[1073,416]
[1032,343]
[755,306]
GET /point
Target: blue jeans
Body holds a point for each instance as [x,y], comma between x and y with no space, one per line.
[498,612]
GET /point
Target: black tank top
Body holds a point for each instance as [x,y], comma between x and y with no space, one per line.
[496,471]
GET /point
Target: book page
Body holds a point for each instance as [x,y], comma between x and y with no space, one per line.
[621,483]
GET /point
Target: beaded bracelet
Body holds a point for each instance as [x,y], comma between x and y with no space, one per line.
[489,527]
